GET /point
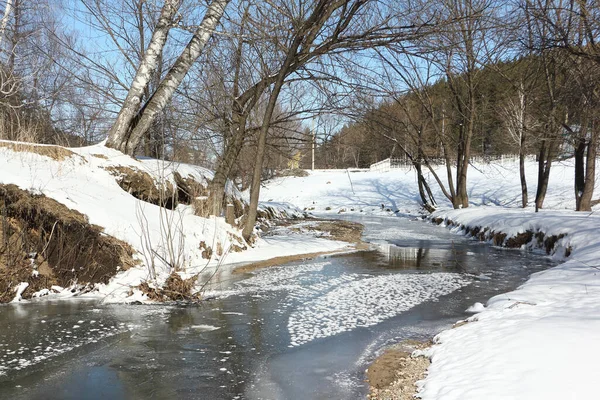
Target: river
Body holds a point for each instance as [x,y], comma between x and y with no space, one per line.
[306,330]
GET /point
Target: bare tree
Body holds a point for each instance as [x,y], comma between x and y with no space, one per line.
[136,119]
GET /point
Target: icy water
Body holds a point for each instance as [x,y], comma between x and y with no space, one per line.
[306,330]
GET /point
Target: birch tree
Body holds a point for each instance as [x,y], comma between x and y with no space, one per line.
[134,118]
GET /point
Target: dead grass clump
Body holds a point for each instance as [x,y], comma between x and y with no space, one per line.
[550,242]
[202,209]
[65,247]
[519,240]
[174,289]
[498,238]
[54,152]
[11,277]
[188,189]
[141,186]
[206,250]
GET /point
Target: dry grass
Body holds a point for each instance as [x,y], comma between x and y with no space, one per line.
[143,187]
[174,289]
[54,152]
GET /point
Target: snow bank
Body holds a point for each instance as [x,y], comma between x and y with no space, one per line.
[540,341]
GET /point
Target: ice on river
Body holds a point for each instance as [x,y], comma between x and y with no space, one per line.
[366,302]
[321,304]
[58,338]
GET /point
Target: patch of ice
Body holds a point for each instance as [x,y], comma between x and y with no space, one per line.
[475,308]
[366,302]
[19,291]
[205,328]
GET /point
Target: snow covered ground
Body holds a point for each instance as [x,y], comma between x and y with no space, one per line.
[82,181]
[325,191]
[541,341]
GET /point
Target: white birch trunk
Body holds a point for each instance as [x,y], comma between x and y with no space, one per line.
[178,71]
[4,22]
[119,132]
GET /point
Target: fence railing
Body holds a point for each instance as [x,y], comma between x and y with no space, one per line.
[392,163]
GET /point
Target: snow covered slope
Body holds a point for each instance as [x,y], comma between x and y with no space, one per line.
[84,179]
[541,341]
[488,184]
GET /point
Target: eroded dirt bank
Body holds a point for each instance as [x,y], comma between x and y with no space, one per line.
[43,243]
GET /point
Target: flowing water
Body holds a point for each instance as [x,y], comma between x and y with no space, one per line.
[306,330]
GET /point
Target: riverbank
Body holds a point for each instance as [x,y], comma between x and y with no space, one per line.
[537,342]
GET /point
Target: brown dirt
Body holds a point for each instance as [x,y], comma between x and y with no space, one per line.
[337,230]
[174,289]
[188,189]
[345,231]
[55,152]
[65,247]
[519,240]
[275,261]
[550,242]
[500,239]
[393,374]
[141,186]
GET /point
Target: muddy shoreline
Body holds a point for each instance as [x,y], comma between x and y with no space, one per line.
[332,229]
[393,375]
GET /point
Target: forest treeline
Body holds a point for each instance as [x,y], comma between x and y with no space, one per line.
[248,87]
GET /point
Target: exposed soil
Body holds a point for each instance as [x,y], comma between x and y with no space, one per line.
[44,243]
[141,186]
[276,261]
[186,190]
[345,231]
[394,373]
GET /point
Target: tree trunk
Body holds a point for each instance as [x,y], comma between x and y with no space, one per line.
[590,169]
[262,143]
[219,182]
[120,130]
[579,170]
[524,195]
[522,140]
[174,77]
[546,155]
[5,18]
